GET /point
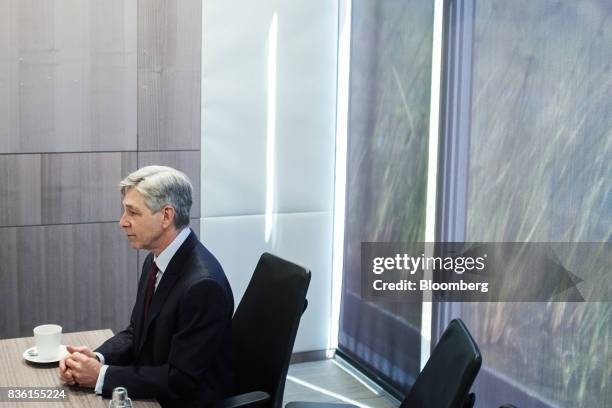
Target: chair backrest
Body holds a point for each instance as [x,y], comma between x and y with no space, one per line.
[265,325]
[449,373]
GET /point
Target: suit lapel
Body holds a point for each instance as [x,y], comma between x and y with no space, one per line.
[140,297]
[171,275]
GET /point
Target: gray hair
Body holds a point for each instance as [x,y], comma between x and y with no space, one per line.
[160,186]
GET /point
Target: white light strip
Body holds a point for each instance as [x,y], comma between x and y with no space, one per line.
[342,102]
[326,392]
[432,171]
[271,129]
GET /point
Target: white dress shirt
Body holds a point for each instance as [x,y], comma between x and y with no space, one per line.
[162,261]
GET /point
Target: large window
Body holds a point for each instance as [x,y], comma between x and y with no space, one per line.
[386,173]
[540,169]
[526,157]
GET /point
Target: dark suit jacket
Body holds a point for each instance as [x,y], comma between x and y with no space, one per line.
[181,354]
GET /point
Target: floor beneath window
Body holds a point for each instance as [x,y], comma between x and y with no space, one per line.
[326,381]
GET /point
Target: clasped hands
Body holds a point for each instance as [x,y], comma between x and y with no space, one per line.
[80,367]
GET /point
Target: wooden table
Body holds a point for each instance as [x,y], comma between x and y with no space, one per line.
[16,372]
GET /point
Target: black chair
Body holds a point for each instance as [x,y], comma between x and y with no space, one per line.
[264,327]
[446,378]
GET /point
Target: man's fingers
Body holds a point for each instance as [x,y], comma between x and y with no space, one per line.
[67,378]
[66,375]
[81,368]
[71,363]
[64,372]
[71,380]
[80,349]
[77,356]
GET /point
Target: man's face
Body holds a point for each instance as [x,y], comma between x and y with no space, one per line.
[143,228]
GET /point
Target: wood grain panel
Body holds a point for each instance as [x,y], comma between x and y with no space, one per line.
[9,86]
[69,71]
[35,100]
[83,187]
[78,276]
[186,161]
[20,184]
[33,37]
[9,284]
[169,72]
[113,73]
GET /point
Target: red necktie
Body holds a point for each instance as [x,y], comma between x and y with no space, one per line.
[150,288]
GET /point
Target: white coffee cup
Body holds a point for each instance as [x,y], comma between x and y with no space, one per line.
[48,338]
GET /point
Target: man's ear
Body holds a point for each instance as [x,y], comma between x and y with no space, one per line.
[167,216]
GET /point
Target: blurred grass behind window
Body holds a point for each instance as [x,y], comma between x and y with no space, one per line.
[391,46]
[541,170]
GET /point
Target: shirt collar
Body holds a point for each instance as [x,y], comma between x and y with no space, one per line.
[166,255]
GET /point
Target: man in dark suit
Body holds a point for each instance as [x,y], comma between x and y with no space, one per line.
[177,347]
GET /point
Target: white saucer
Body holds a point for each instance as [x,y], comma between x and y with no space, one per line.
[35,359]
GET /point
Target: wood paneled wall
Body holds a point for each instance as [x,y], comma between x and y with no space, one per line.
[90,91]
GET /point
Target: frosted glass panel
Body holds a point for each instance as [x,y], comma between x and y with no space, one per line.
[268,106]
[304,238]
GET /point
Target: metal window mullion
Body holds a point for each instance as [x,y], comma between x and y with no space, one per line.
[454,138]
